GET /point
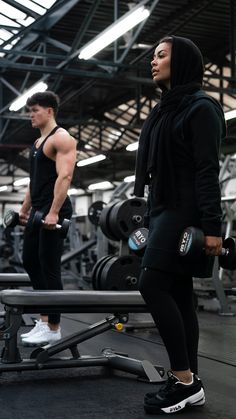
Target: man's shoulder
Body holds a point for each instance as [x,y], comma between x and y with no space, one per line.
[62,134]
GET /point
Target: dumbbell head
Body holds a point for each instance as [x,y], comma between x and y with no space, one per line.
[11,219]
[191,242]
[137,241]
[37,219]
[38,222]
[228,258]
[64,227]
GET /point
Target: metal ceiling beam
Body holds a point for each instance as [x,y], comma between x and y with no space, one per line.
[22,8]
[70,72]
[184,10]
[62,57]
[43,23]
[137,32]
[77,40]
[57,44]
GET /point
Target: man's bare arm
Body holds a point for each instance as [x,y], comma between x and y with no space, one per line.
[65,146]
[25,208]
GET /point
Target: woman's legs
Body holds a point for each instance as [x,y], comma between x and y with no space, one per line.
[169,311]
[182,292]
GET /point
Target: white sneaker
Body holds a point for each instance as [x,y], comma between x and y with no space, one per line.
[39,325]
[42,337]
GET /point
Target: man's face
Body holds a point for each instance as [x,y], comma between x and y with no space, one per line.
[39,115]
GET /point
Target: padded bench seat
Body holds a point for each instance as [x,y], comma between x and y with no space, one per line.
[75,301]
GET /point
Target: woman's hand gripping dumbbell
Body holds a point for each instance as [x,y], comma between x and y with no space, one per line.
[38,221]
[193,242]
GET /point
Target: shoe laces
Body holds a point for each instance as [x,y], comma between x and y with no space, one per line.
[169,385]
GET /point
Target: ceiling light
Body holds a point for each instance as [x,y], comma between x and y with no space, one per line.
[4,21]
[3,188]
[5,34]
[230,115]
[91,160]
[49,4]
[100,185]
[32,6]
[132,146]
[21,100]
[114,31]
[129,179]
[22,182]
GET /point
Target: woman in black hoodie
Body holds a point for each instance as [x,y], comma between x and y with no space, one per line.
[178,157]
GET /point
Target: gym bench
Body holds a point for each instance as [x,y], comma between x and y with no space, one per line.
[18,302]
[14,280]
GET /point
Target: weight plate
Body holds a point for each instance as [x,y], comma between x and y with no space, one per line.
[94,271]
[6,250]
[125,216]
[99,271]
[104,222]
[94,212]
[121,273]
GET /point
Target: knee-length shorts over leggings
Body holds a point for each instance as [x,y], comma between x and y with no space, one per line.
[165,230]
[166,284]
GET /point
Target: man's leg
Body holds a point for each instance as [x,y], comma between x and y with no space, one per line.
[50,252]
[32,266]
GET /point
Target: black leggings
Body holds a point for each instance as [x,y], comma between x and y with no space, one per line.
[42,252]
[169,298]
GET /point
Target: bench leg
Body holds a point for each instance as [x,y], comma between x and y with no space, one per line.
[11,353]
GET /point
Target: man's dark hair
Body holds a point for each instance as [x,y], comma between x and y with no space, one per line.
[46,99]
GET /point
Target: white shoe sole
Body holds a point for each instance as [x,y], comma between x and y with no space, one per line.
[41,343]
[27,335]
[197,399]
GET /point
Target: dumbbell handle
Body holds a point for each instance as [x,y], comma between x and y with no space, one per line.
[56,226]
[224,251]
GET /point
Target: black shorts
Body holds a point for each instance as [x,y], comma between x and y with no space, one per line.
[162,253]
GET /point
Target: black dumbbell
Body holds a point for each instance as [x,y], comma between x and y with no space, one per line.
[137,241]
[192,244]
[38,221]
[11,219]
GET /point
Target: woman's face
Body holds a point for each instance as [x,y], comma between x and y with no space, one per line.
[161,64]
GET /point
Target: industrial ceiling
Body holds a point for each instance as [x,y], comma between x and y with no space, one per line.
[104,100]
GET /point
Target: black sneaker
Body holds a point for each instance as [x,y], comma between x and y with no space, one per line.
[174,395]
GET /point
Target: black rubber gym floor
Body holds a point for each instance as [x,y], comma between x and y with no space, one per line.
[96,392]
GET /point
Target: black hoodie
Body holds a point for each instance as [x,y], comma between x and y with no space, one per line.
[180,141]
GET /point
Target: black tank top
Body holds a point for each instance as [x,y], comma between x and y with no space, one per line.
[43,176]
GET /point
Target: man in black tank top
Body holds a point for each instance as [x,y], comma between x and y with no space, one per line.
[52,161]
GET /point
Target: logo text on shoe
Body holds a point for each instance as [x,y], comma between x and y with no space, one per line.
[175,408]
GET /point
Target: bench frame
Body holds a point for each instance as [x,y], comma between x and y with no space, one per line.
[42,357]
